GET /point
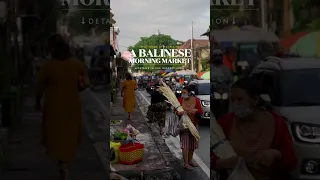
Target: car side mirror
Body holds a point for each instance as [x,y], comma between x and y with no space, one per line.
[265,97]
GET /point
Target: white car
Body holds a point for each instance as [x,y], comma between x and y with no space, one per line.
[201,90]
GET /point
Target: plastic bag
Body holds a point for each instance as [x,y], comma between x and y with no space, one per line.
[130,130]
[174,126]
[241,172]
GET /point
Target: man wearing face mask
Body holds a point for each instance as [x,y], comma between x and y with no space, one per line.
[219,71]
[257,134]
[220,79]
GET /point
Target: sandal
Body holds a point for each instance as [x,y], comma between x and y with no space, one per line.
[188,167]
[193,164]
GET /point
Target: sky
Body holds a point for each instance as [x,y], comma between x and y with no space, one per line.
[143,18]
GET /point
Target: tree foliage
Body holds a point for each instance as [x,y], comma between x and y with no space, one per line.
[155,42]
[78,20]
[306,15]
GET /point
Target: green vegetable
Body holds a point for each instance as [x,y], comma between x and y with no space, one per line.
[120,136]
[115,122]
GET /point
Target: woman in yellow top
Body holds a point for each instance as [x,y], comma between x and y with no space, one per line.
[128,93]
[59,81]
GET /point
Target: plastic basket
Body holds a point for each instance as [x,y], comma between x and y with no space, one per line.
[131,153]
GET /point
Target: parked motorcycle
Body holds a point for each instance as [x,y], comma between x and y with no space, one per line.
[177,90]
[219,98]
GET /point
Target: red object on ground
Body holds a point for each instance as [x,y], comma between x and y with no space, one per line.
[133,153]
[287,42]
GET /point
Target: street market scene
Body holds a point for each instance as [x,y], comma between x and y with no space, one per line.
[159,90]
[264,120]
[145,110]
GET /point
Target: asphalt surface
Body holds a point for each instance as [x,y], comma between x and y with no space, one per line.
[202,156]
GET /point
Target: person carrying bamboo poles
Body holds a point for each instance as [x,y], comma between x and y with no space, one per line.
[157,110]
[192,107]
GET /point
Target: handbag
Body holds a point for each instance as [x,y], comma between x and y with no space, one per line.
[131,152]
[174,125]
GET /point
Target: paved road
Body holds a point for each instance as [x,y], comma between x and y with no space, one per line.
[202,154]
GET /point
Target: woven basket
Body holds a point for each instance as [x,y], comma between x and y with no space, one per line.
[131,153]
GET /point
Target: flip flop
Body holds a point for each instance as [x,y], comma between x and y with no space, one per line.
[194,164]
[188,168]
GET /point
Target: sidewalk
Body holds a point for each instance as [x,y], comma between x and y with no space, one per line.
[26,158]
[158,162]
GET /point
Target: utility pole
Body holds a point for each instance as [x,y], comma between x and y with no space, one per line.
[199,68]
[191,46]
[263,16]
[286,17]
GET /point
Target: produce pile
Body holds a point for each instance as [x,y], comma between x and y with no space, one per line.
[119,136]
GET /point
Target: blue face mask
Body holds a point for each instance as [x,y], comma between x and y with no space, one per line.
[242,110]
[185,96]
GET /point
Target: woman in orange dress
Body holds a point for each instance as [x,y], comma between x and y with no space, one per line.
[59,81]
[128,93]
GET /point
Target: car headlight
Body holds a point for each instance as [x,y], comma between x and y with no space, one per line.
[307,133]
[178,91]
[205,103]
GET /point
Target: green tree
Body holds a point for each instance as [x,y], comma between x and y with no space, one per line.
[205,64]
[151,43]
[306,15]
[78,20]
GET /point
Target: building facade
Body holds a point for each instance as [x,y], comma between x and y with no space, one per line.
[201,53]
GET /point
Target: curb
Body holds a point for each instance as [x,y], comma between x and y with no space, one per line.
[171,161]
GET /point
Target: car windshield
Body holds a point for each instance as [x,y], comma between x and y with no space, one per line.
[187,77]
[203,89]
[300,87]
